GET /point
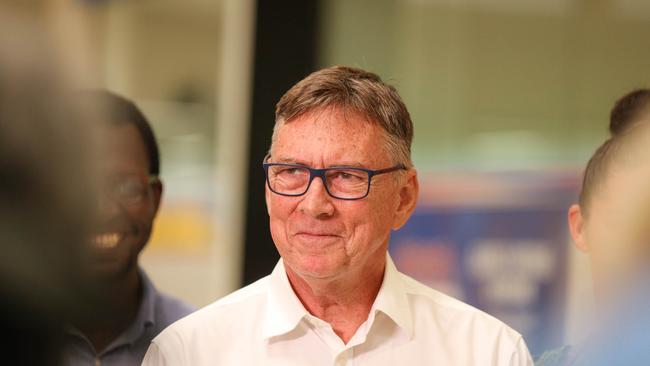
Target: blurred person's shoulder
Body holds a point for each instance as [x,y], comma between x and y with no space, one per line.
[562,356]
[170,309]
[164,309]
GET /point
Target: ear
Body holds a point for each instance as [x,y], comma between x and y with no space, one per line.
[157,189]
[577,227]
[409,191]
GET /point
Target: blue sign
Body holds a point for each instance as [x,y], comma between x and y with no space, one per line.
[509,260]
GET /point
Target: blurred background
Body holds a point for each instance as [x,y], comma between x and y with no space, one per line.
[509,99]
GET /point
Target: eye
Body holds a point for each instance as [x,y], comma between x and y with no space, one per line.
[348,175]
[345,175]
[292,171]
[289,171]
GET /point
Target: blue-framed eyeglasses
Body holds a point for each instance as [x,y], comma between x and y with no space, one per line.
[345,183]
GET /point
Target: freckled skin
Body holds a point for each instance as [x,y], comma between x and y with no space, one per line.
[334,251]
[358,230]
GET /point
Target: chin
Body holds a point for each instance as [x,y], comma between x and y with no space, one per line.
[320,268]
[113,268]
[108,271]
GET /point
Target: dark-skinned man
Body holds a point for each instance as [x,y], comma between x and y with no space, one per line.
[128,169]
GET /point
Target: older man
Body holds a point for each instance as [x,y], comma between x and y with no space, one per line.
[339,179]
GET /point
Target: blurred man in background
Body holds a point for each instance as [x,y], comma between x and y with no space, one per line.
[46,196]
[128,169]
[339,179]
[611,224]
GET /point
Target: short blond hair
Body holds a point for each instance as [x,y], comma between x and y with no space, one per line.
[357,91]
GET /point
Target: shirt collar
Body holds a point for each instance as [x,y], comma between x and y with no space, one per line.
[147,311]
[146,316]
[284,310]
[392,298]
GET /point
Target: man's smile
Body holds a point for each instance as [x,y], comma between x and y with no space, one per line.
[107,240]
[315,237]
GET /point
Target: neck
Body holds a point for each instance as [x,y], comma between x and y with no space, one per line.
[122,295]
[344,302]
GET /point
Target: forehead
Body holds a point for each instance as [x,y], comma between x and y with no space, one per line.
[329,137]
[121,148]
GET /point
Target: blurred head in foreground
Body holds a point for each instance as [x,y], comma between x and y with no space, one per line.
[610,222]
[45,207]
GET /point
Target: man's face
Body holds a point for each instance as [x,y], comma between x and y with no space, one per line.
[319,236]
[127,201]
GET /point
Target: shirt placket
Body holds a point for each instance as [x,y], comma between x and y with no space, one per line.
[345,357]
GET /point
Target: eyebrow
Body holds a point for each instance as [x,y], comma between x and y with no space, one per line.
[352,164]
[345,164]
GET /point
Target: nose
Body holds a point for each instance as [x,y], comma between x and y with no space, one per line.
[317,202]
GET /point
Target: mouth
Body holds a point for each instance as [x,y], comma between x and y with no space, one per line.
[316,237]
[106,240]
[317,234]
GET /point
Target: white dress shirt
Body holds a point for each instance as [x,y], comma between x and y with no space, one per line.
[409,324]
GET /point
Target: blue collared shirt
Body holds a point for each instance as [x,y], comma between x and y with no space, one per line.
[156,312]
